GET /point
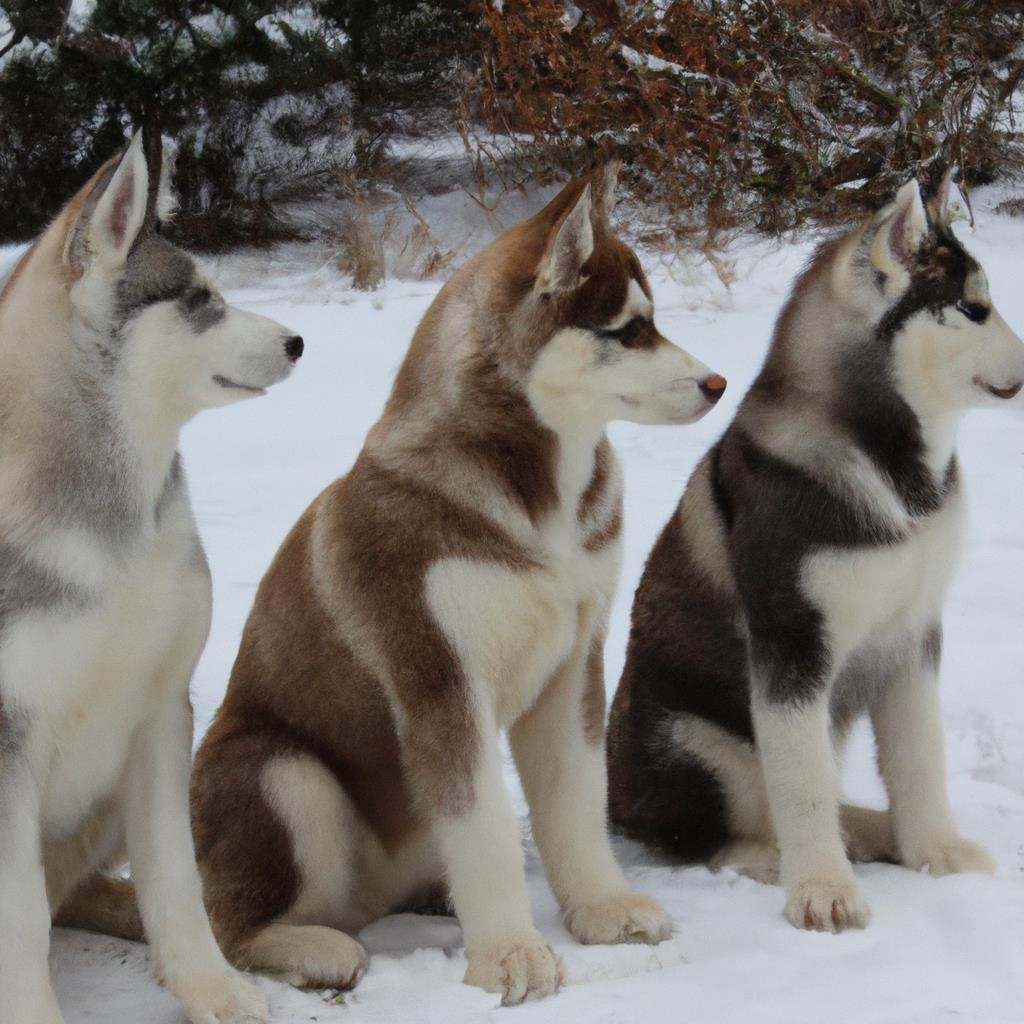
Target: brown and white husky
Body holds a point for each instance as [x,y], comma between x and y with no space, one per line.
[800,583]
[110,340]
[455,583]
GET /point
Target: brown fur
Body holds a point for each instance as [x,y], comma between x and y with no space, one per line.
[341,657]
[104,905]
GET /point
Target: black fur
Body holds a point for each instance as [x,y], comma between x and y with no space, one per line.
[697,648]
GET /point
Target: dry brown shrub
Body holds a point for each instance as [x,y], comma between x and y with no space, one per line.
[751,113]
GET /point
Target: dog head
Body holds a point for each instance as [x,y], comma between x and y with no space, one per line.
[144,308]
[950,348]
[581,315]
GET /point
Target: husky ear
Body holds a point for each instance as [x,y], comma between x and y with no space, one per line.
[902,232]
[570,248]
[939,199]
[112,220]
[605,181]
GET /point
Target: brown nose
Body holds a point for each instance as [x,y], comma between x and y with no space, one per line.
[293,347]
[713,387]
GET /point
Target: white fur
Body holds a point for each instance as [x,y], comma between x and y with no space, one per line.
[564,778]
[736,764]
[121,209]
[904,227]
[571,379]
[802,780]
[333,846]
[637,305]
[943,369]
[523,638]
[875,593]
[180,367]
[908,728]
[100,685]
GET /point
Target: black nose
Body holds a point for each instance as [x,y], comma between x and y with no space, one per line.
[293,347]
[713,387]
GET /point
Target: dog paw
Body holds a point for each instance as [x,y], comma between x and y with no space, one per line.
[758,861]
[953,855]
[827,905]
[517,969]
[312,957]
[223,998]
[624,917]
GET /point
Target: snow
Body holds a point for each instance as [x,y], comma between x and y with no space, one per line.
[936,949]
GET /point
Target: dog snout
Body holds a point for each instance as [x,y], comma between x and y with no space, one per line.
[713,387]
[293,348]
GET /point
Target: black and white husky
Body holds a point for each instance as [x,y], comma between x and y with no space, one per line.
[800,582]
[110,340]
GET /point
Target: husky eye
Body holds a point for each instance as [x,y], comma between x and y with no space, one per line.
[197,298]
[974,311]
[627,333]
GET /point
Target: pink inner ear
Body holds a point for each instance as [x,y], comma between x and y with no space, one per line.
[898,236]
[120,207]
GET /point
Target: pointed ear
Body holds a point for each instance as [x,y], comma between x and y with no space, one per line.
[112,220]
[939,200]
[569,248]
[903,230]
[605,180]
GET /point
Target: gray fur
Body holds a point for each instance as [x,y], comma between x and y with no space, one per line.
[26,586]
[157,271]
[931,653]
[863,678]
[12,734]
[203,309]
[89,478]
[173,487]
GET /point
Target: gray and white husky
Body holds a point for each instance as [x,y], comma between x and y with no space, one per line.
[800,582]
[110,340]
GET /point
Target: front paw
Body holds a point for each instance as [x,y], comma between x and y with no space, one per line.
[827,905]
[624,917]
[227,997]
[951,855]
[516,969]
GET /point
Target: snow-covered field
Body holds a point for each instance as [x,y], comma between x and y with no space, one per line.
[936,950]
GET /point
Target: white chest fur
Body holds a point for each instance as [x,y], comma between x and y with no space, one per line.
[513,628]
[88,675]
[869,594]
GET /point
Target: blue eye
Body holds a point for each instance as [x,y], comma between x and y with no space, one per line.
[974,311]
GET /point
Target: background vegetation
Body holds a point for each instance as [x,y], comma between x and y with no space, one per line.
[729,113]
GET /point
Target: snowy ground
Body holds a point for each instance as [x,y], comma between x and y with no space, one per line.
[936,950]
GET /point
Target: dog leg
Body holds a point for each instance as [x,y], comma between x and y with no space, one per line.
[482,852]
[911,755]
[104,905]
[73,859]
[559,750]
[26,995]
[327,847]
[802,778]
[184,951]
[750,857]
[867,834]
